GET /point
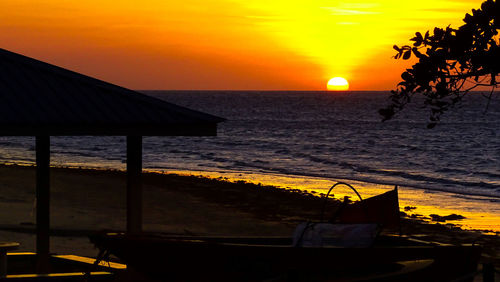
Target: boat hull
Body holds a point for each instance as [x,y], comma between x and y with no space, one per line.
[205,258]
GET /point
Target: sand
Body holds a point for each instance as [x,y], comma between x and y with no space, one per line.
[84,201]
[481,213]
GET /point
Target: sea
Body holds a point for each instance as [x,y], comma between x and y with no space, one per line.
[312,136]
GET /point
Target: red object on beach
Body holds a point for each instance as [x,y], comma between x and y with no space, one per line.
[382,209]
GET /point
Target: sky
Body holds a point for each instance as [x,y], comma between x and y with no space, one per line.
[225,44]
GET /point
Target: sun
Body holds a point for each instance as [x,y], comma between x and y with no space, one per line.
[337,84]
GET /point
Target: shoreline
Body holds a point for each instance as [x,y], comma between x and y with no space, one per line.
[481,213]
[86,200]
[474,195]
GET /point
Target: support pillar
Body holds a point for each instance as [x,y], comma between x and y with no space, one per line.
[42,202]
[134,185]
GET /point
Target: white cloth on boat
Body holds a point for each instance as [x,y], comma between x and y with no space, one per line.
[309,234]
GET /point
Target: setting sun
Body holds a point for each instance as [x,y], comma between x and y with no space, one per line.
[337,84]
[158,44]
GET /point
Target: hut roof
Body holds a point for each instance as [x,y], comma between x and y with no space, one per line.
[37,98]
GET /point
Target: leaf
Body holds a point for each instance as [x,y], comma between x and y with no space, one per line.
[419,36]
[417,53]
[438,33]
[386,113]
[396,48]
[406,76]
[407,55]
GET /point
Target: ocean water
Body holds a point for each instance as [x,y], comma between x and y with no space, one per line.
[327,135]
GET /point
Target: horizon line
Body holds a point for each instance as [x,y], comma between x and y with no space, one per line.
[257,90]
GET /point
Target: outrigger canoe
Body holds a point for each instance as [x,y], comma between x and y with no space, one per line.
[382,258]
[390,258]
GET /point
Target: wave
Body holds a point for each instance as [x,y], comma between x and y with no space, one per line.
[468,172]
[364,173]
[310,134]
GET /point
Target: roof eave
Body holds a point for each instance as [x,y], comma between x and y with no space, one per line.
[205,129]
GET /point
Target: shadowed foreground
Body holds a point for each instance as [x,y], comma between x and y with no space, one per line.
[84,201]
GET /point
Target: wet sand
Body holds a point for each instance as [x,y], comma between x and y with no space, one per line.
[86,200]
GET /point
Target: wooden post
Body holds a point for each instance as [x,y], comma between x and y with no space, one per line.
[42,202]
[134,184]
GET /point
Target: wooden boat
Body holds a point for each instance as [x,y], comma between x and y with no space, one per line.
[384,258]
[382,209]
[391,258]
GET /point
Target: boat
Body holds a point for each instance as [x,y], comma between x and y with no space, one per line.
[390,258]
[336,256]
[382,209]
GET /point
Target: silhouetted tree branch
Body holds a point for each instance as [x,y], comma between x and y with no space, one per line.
[451,63]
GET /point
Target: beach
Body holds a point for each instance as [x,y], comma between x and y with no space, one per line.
[310,140]
[84,201]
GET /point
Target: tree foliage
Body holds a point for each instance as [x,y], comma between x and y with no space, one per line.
[451,63]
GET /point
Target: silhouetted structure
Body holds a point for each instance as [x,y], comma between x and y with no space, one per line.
[43,100]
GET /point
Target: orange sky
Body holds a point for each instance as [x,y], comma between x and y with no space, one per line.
[224,44]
